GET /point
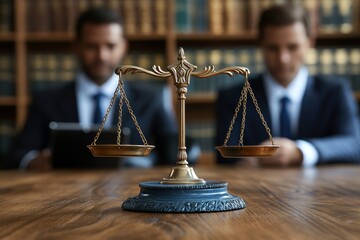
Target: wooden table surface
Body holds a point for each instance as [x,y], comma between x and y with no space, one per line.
[320,203]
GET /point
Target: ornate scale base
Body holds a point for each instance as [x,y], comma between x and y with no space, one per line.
[211,196]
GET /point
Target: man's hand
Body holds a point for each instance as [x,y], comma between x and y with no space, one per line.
[42,162]
[287,154]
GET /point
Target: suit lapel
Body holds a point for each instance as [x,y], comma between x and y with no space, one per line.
[309,108]
[258,130]
[68,105]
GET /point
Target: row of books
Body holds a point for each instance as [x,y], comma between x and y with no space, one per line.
[6,16]
[46,70]
[341,62]
[49,70]
[140,16]
[7,132]
[203,133]
[338,15]
[236,16]
[150,16]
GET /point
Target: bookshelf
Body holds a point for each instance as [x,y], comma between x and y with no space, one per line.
[208,30]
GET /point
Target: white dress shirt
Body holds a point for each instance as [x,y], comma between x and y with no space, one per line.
[85,90]
[295,92]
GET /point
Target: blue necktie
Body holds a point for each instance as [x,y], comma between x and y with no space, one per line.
[285,126]
[98,115]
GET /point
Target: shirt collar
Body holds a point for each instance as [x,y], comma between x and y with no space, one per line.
[89,88]
[294,91]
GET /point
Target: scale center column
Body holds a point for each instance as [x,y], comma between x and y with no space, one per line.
[182,174]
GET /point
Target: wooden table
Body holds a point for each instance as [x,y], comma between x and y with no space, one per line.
[321,203]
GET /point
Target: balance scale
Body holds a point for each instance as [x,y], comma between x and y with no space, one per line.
[182,191]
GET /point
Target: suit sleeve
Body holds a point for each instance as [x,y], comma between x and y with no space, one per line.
[343,144]
[224,111]
[33,136]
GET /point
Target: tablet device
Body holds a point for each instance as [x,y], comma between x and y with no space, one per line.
[68,142]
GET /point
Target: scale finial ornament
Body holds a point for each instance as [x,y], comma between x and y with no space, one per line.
[182,70]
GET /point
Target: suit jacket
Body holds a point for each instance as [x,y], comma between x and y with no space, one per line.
[328,119]
[60,105]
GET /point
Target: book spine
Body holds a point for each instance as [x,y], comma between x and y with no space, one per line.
[7,80]
[216,20]
[346,15]
[6,16]
[160,16]
[130,16]
[183,15]
[145,16]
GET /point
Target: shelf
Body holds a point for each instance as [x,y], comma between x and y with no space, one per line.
[7,101]
[7,37]
[337,36]
[206,158]
[193,37]
[142,37]
[250,36]
[201,98]
[70,37]
[49,37]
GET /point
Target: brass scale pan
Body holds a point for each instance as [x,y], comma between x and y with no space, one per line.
[122,150]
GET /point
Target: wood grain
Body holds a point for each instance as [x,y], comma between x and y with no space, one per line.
[321,203]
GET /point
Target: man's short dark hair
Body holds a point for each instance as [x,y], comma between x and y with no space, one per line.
[283,15]
[100,15]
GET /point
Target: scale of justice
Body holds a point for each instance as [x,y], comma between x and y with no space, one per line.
[182,191]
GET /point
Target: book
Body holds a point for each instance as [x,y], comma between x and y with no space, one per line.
[215,14]
[51,70]
[234,16]
[145,16]
[183,15]
[203,133]
[160,13]
[354,58]
[7,75]
[6,16]
[328,17]
[199,17]
[346,18]
[129,15]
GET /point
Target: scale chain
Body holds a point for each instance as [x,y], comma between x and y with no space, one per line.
[119,88]
[241,142]
[119,120]
[132,113]
[237,109]
[261,116]
[106,116]
[242,101]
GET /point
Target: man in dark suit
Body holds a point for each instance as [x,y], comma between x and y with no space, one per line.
[314,119]
[100,48]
